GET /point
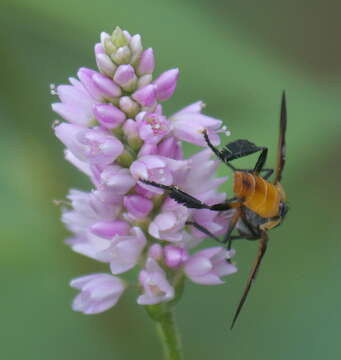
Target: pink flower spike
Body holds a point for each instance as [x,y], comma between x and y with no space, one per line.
[146,96]
[166,84]
[175,256]
[137,205]
[109,115]
[147,62]
[99,292]
[207,266]
[155,285]
[108,229]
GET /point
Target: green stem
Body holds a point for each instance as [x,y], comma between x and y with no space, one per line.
[163,316]
[169,336]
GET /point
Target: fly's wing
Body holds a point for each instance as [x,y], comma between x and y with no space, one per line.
[238,149]
[261,251]
[281,141]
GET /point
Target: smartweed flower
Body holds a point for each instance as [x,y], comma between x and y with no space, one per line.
[117,133]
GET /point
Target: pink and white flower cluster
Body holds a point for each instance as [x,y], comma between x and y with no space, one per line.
[116,133]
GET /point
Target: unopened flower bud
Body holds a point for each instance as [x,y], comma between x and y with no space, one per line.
[109,115]
[144,80]
[125,77]
[99,49]
[105,65]
[129,106]
[106,85]
[146,96]
[147,62]
[122,55]
[86,77]
[130,129]
[166,84]
[136,47]
[155,252]
[103,37]
[175,256]
[108,229]
[127,34]
[118,37]
[109,47]
[138,206]
[148,149]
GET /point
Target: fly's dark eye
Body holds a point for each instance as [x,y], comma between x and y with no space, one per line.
[283,209]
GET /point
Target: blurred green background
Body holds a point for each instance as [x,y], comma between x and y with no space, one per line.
[237,57]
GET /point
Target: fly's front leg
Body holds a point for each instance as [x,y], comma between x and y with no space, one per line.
[272,223]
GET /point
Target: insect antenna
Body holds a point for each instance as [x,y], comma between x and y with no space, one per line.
[281,151]
[261,251]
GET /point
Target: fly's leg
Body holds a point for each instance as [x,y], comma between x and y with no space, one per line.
[189,201]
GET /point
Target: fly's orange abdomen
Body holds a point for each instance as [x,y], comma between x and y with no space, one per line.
[259,195]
